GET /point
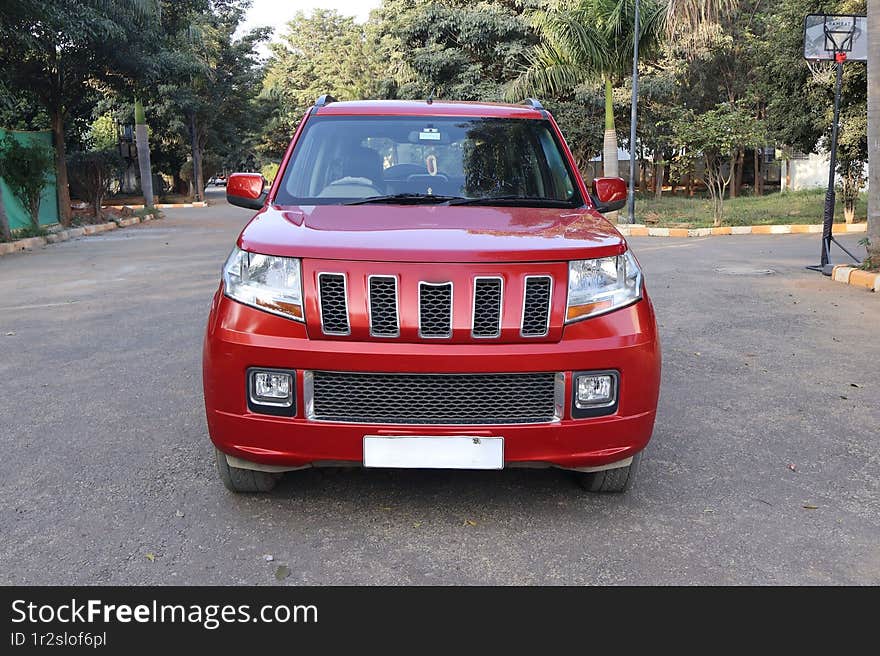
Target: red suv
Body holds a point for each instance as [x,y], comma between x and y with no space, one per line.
[429,285]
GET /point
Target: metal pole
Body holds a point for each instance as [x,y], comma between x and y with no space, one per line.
[632,120]
[830,192]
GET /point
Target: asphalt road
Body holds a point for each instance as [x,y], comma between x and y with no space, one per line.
[763,468]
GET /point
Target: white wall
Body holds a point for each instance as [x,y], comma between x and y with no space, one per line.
[810,173]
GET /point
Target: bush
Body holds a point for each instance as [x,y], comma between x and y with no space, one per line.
[25,168]
[92,172]
[29,231]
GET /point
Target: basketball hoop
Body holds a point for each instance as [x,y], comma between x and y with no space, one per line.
[839,38]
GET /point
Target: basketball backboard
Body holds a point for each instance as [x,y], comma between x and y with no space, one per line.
[825,35]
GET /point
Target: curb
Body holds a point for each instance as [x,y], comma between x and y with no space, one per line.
[31,243]
[160,206]
[856,277]
[641,230]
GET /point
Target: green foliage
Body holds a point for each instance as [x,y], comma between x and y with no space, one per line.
[588,40]
[204,101]
[804,206]
[28,232]
[714,136]
[58,55]
[320,53]
[102,133]
[25,167]
[870,263]
[463,50]
[269,171]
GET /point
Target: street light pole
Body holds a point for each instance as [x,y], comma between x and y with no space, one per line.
[632,121]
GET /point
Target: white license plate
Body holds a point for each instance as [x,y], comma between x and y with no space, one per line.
[456,452]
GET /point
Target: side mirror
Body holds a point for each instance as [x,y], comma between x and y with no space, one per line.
[246,190]
[609,194]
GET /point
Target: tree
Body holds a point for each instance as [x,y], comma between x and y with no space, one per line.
[659,100]
[50,49]
[25,167]
[852,156]
[92,172]
[589,40]
[714,136]
[874,133]
[211,81]
[323,52]
[460,50]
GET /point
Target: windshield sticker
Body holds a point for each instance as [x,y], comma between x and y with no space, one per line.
[429,134]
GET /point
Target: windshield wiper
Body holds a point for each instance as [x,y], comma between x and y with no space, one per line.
[413,199]
[512,199]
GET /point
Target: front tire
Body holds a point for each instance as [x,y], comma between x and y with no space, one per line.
[243,480]
[610,481]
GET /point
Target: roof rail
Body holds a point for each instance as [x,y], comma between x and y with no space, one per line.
[324,100]
[533,102]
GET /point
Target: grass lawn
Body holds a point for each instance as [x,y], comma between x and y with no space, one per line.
[679,211]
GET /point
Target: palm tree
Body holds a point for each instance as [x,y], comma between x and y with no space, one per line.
[874,132]
[590,41]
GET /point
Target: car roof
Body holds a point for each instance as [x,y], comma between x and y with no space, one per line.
[424,108]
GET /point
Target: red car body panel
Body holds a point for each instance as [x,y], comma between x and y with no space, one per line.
[433,244]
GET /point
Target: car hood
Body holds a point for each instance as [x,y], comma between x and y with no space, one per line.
[431,233]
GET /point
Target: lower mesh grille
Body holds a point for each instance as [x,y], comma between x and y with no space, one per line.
[433,398]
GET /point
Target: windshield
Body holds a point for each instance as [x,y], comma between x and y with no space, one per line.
[345,159]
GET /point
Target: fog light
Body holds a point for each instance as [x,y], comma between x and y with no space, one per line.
[595,390]
[271,387]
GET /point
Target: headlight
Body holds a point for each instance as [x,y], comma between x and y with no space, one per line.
[266,282]
[601,285]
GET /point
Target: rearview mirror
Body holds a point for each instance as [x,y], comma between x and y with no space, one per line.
[246,190]
[609,194]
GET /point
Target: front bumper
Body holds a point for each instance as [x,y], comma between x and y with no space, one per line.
[239,337]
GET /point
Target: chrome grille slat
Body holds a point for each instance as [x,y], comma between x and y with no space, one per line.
[488,292]
[536,306]
[435,310]
[384,316]
[333,301]
[509,398]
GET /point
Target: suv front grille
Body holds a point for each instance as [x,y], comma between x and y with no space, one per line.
[397,308]
[435,309]
[334,304]
[510,398]
[536,306]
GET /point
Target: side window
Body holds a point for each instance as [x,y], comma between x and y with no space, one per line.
[310,166]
